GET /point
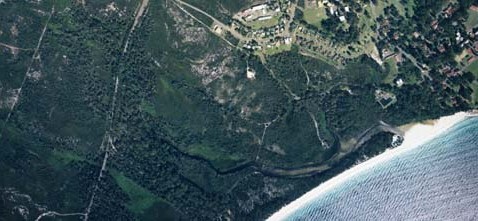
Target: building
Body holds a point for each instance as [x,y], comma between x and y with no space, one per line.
[258,7]
[399,82]
[262,18]
[250,74]
[342,18]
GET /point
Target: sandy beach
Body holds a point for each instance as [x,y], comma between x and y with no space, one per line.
[415,135]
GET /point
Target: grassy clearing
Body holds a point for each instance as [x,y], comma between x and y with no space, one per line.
[314,54]
[473,68]
[216,155]
[169,100]
[391,64]
[474,96]
[323,126]
[277,49]
[62,4]
[140,198]
[59,159]
[402,8]
[314,16]
[460,57]
[411,7]
[148,107]
[264,23]
[472,20]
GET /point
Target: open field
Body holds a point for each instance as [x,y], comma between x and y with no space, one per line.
[277,49]
[473,68]
[391,64]
[472,20]
[264,23]
[314,16]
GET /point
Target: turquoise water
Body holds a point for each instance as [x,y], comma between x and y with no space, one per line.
[436,181]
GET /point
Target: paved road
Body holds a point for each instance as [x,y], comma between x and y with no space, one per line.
[219,23]
[235,33]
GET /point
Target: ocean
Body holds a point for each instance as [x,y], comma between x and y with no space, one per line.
[437,180]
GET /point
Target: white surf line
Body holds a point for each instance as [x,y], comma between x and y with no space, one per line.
[53,214]
[417,135]
[34,56]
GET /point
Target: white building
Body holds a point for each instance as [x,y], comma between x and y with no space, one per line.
[250,74]
[259,7]
[399,82]
[264,18]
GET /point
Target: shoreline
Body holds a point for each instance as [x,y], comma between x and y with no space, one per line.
[415,135]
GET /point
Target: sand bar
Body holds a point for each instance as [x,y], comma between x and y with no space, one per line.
[415,135]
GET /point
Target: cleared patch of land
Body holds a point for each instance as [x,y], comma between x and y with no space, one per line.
[473,68]
[472,20]
[264,23]
[314,16]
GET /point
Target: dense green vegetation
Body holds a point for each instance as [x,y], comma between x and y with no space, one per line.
[183,134]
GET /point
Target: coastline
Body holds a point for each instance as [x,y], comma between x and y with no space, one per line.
[415,134]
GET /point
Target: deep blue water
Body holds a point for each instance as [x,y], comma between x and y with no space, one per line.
[436,181]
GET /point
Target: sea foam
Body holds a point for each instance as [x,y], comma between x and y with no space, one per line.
[415,135]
